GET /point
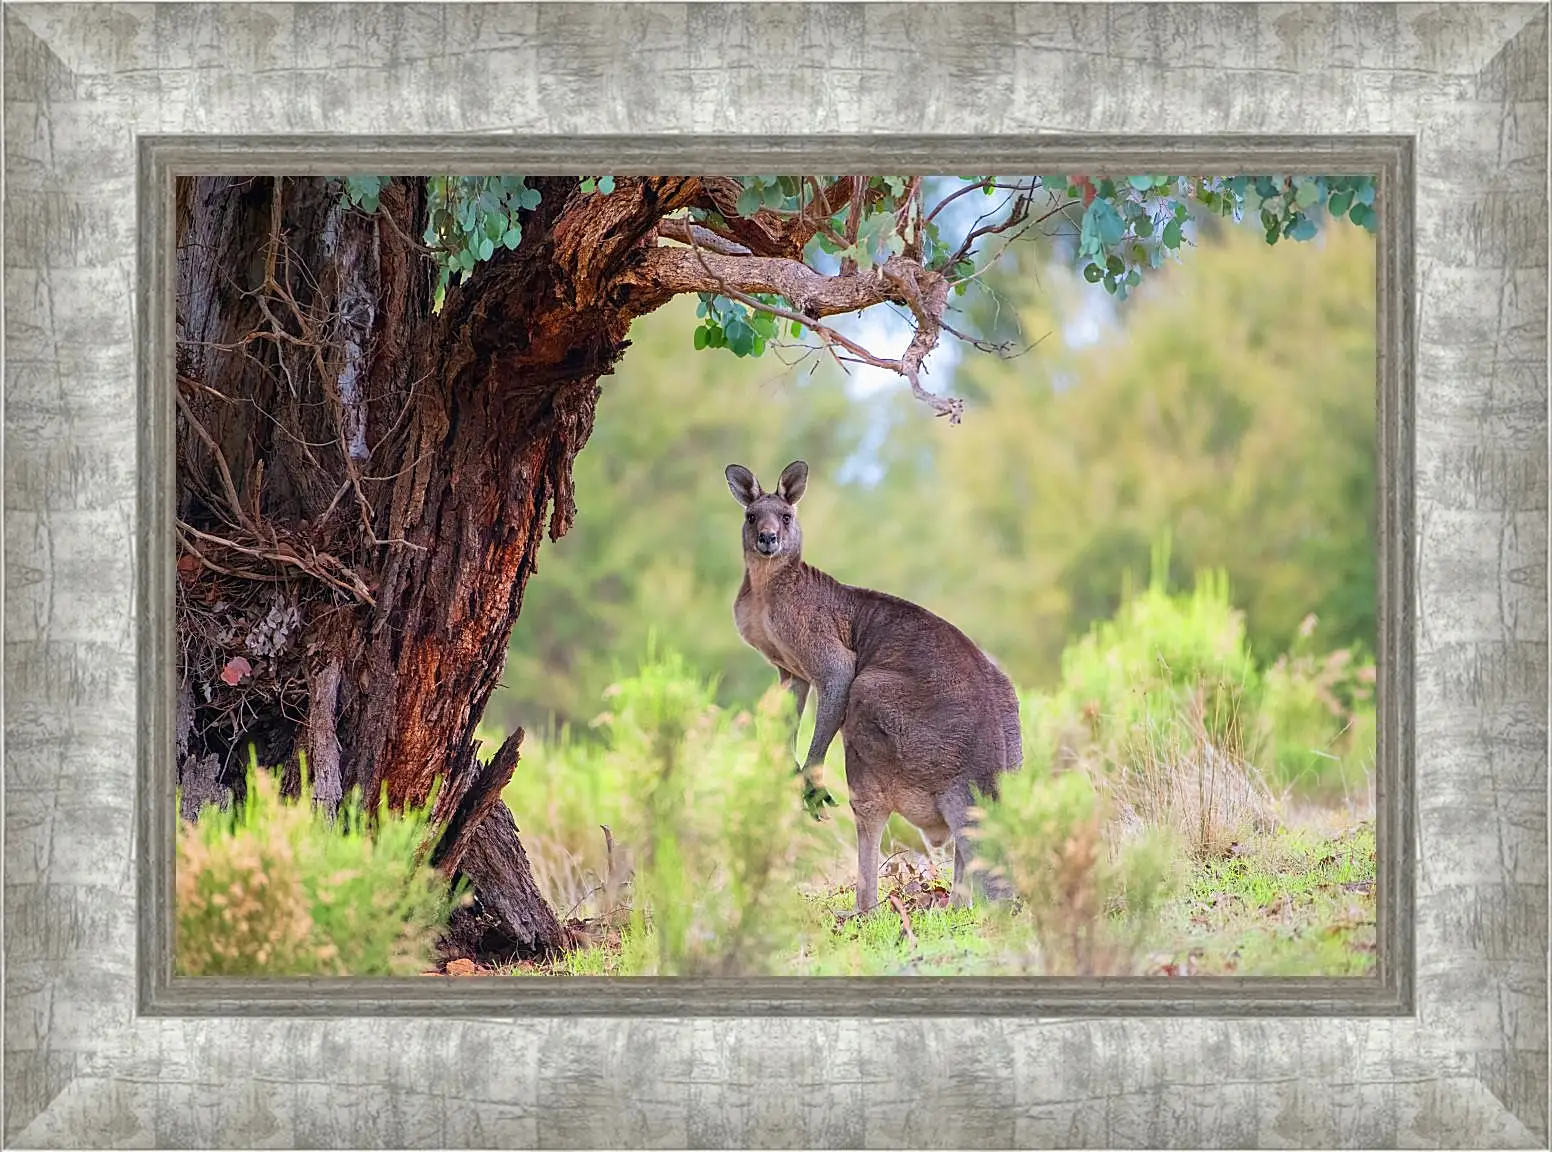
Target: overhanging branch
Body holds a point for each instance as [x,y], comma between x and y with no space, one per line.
[665,272]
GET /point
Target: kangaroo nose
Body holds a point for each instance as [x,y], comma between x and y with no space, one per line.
[767,539]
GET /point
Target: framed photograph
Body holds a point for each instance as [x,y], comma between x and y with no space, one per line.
[775,574]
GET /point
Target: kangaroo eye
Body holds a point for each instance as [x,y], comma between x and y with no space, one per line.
[786,520]
[749,518]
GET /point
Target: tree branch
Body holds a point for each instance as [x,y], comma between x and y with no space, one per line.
[695,234]
[671,271]
[595,236]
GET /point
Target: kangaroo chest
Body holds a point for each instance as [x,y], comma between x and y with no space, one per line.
[762,631]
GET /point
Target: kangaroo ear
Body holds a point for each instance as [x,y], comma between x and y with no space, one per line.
[743,485]
[794,478]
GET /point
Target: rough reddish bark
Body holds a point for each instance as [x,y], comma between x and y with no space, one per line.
[387,475]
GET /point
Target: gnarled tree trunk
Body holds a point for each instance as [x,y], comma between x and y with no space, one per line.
[363,486]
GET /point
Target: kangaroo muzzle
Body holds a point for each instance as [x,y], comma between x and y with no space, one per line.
[768,543]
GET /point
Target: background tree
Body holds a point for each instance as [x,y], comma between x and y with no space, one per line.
[1248,442]
[384,382]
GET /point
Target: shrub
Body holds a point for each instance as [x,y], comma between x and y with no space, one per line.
[1161,707]
[1174,773]
[715,830]
[1322,717]
[273,887]
[1089,901]
[1160,652]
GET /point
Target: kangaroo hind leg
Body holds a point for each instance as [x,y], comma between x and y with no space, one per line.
[954,806]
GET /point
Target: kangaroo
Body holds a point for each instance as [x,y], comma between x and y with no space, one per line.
[924,715]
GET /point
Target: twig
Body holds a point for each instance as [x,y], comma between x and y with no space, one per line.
[221,465]
[236,573]
[1004,350]
[853,225]
[355,588]
[977,186]
[309,340]
[905,918]
[1014,219]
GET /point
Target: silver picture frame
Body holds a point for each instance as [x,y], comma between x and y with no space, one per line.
[1445,1046]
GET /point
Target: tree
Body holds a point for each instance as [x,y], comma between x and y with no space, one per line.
[383,383]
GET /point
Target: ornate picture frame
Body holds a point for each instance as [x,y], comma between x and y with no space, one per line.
[1447,1045]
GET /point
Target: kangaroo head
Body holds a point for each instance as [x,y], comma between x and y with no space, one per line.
[771,526]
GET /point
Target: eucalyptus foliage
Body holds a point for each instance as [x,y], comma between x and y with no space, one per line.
[1125,226]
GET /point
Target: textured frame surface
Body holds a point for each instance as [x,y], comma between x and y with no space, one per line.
[85,1064]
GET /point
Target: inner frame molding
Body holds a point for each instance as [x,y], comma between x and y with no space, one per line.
[1389,991]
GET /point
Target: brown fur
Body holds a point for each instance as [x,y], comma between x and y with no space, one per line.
[926,718]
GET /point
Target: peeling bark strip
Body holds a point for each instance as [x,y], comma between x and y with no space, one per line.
[396,470]
[323,748]
[467,812]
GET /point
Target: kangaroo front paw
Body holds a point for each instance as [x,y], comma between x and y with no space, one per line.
[816,798]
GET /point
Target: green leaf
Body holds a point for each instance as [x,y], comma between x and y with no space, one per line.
[700,337]
[1093,273]
[513,236]
[1141,183]
[605,185]
[486,248]
[797,330]
[749,201]
[430,236]
[589,185]
[1339,203]
[529,198]
[1171,237]
[1364,216]
[1107,222]
[1303,229]
[1366,193]
[1308,192]
[1115,266]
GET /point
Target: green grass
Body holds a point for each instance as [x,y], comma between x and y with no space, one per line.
[1293,904]
[1290,905]
[276,887]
